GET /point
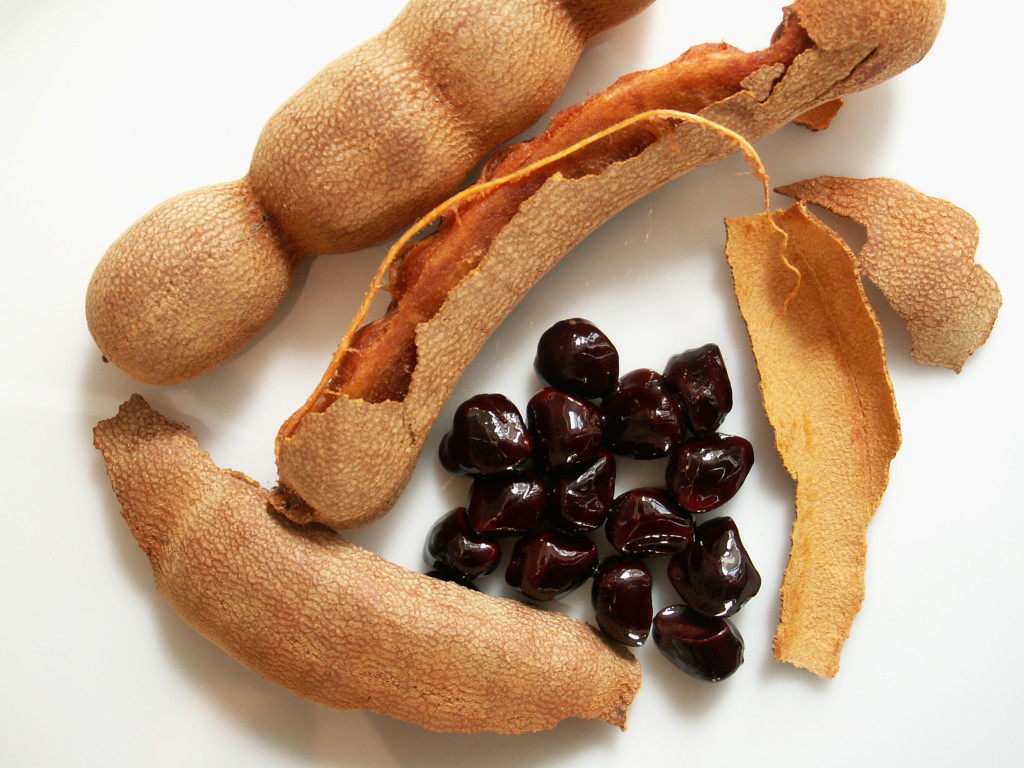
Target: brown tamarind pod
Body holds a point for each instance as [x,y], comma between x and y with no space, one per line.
[389,378]
[314,613]
[377,138]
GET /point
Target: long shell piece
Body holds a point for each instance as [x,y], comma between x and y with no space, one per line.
[827,394]
[314,613]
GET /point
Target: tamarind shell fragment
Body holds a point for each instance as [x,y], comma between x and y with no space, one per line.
[329,453]
[828,397]
[314,613]
[920,253]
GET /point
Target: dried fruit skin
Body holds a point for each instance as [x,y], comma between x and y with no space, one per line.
[827,394]
[330,450]
[920,253]
[312,612]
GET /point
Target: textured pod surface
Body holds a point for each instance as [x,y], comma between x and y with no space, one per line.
[375,139]
[314,613]
[159,318]
[827,394]
[920,253]
[330,456]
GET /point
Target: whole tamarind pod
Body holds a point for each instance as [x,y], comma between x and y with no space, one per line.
[377,138]
[389,379]
[329,621]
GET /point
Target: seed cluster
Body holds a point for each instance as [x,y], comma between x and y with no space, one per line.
[549,481]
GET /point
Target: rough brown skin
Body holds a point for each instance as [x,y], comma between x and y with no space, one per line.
[828,397]
[920,253]
[190,284]
[338,625]
[330,451]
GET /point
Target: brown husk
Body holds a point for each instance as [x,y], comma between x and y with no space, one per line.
[827,394]
[920,253]
[338,625]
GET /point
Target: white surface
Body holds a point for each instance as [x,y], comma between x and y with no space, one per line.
[111,106]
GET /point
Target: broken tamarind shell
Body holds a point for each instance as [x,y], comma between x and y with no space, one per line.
[377,138]
[828,397]
[390,378]
[920,254]
[314,613]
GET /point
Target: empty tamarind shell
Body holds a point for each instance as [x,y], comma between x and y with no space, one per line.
[314,613]
[390,378]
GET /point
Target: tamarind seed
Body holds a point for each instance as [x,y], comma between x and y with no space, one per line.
[566,430]
[715,575]
[646,521]
[621,596]
[699,379]
[507,504]
[705,472]
[488,436]
[548,565]
[575,356]
[581,500]
[642,417]
[453,546]
[703,647]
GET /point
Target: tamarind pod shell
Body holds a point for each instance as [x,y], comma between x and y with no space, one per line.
[188,285]
[331,459]
[378,137]
[336,624]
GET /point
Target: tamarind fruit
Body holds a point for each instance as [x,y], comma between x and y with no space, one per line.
[377,138]
[389,378]
[329,621]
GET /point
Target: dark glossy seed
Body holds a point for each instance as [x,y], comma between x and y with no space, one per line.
[645,521]
[566,430]
[487,436]
[621,597]
[509,504]
[550,564]
[715,575]
[705,472]
[642,417]
[699,379]
[706,648]
[453,546]
[577,357]
[581,501]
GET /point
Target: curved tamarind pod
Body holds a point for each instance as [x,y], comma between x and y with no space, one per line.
[314,613]
[378,137]
[389,379]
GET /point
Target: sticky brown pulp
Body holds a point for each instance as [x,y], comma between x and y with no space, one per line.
[378,362]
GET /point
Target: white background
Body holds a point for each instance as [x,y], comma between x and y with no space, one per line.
[109,106]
